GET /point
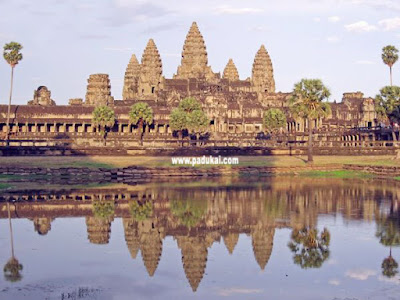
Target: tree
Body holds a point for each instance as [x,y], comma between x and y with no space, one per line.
[310,249]
[387,105]
[104,118]
[12,268]
[12,56]
[189,116]
[189,212]
[140,210]
[141,114]
[274,120]
[389,267]
[390,57]
[307,103]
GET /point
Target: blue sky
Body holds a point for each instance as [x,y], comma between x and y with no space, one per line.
[339,41]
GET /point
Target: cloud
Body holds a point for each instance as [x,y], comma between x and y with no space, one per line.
[333,39]
[395,280]
[365,62]
[93,36]
[360,274]
[390,24]
[379,4]
[228,10]
[360,26]
[317,19]
[334,19]
[335,282]
[235,291]
[159,28]
[259,29]
[117,49]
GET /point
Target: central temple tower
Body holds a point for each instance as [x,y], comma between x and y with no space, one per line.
[194,62]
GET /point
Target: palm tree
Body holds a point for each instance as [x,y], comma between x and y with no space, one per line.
[141,114]
[103,117]
[12,268]
[389,57]
[307,103]
[310,249]
[12,56]
[389,266]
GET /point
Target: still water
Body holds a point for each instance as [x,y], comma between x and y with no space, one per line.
[280,238]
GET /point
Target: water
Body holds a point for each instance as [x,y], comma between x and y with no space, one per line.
[229,239]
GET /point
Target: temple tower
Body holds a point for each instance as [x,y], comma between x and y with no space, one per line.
[131,79]
[194,258]
[194,63]
[150,248]
[230,72]
[263,241]
[99,90]
[263,74]
[99,229]
[230,241]
[42,96]
[131,236]
[150,71]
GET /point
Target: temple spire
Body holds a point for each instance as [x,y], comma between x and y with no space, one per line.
[230,72]
[194,63]
[263,73]
[150,70]
[131,79]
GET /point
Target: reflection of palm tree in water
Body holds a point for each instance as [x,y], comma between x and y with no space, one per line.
[12,268]
[389,266]
[310,249]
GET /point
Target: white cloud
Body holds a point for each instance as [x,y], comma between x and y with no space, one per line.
[228,10]
[235,291]
[360,274]
[334,19]
[332,39]
[378,4]
[317,19]
[390,24]
[259,28]
[365,62]
[335,282]
[360,26]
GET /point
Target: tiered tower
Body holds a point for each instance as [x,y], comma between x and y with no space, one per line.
[230,241]
[131,80]
[263,74]
[194,63]
[230,72]
[131,236]
[99,229]
[263,241]
[150,70]
[99,90]
[150,248]
[194,258]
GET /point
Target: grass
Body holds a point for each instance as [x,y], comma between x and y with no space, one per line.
[397,178]
[4,186]
[337,174]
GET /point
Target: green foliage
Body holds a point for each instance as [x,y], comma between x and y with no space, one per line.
[387,103]
[389,267]
[141,211]
[141,112]
[310,249]
[307,99]
[275,208]
[103,209]
[12,270]
[189,105]
[388,230]
[12,53]
[189,212]
[103,116]
[274,119]
[189,115]
[389,55]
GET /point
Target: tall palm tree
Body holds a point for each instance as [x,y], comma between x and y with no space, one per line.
[12,56]
[307,103]
[141,114]
[12,268]
[104,117]
[389,57]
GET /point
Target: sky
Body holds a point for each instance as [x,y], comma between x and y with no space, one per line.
[338,41]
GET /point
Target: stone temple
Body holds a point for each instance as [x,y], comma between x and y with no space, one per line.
[235,106]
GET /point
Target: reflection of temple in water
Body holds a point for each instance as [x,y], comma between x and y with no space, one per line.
[198,217]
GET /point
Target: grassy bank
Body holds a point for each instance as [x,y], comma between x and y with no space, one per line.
[146,161]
